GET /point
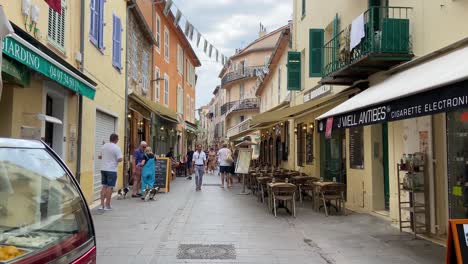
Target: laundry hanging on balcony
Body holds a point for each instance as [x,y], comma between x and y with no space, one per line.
[357,31]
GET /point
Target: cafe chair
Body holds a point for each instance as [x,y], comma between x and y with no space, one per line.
[307,186]
[285,192]
[333,192]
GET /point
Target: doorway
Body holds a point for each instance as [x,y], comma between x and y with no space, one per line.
[333,156]
[54,134]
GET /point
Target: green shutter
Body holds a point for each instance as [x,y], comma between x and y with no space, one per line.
[336,43]
[374,3]
[303,7]
[316,52]
[294,71]
[395,35]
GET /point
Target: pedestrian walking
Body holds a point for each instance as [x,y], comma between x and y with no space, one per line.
[225,163]
[148,171]
[199,162]
[189,162]
[138,157]
[111,155]
[211,160]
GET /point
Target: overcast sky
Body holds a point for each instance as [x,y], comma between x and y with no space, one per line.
[229,24]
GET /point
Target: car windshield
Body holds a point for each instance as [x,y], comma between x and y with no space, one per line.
[40,207]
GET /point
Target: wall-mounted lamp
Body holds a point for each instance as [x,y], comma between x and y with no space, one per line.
[129,116]
[304,127]
[295,130]
[162,128]
[281,124]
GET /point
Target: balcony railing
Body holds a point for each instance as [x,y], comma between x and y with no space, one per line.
[251,103]
[245,72]
[387,37]
[241,127]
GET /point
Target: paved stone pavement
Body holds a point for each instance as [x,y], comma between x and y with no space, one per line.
[151,232]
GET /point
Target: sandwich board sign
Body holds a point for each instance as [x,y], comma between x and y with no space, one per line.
[457,241]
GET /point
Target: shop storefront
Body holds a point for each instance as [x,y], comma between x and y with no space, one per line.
[405,136]
[41,94]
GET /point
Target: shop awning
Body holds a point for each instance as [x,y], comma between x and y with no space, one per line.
[24,52]
[190,126]
[15,72]
[158,109]
[409,93]
[270,118]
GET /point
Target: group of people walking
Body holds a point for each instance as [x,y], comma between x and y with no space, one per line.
[144,165]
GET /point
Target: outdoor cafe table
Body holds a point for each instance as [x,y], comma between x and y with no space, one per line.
[270,186]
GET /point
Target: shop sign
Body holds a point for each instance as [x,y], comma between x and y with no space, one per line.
[31,59]
[431,102]
[317,92]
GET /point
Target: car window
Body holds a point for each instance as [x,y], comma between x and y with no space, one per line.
[40,207]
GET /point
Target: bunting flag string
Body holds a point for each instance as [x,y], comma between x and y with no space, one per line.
[189,30]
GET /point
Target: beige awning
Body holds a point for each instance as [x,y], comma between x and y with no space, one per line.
[267,119]
[155,107]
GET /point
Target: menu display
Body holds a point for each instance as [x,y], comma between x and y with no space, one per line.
[309,148]
[356,147]
[162,174]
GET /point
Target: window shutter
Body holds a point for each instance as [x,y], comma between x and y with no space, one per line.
[94,22]
[294,71]
[114,40]
[316,52]
[119,42]
[101,24]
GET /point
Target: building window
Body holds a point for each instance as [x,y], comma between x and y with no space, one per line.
[180,100]
[166,90]
[56,27]
[267,60]
[242,118]
[187,108]
[190,74]
[193,110]
[157,84]
[158,34]
[241,91]
[117,42]
[96,31]
[144,72]
[279,85]
[166,44]
[134,57]
[300,144]
[180,59]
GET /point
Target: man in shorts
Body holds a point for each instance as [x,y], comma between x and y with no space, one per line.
[224,164]
[111,155]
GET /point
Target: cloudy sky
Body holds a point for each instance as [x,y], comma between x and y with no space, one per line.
[229,24]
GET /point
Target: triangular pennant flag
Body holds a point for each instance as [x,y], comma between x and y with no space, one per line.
[191,32]
[187,28]
[205,46]
[216,55]
[211,51]
[55,5]
[198,38]
[222,59]
[167,7]
[177,17]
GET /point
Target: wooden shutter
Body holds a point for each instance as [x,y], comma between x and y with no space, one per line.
[101,25]
[316,52]
[118,40]
[114,40]
[294,71]
[94,15]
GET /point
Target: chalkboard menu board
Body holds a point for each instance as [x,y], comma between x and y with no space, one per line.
[356,147]
[309,148]
[163,172]
[457,241]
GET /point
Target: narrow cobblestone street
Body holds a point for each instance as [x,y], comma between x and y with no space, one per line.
[151,232]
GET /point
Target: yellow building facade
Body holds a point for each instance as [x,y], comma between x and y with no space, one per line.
[372,177]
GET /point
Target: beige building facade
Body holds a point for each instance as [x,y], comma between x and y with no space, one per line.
[366,157]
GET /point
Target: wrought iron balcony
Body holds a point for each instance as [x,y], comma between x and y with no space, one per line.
[244,104]
[245,72]
[387,42]
[239,128]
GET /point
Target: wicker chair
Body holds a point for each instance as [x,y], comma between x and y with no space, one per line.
[262,187]
[285,192]
[333,192]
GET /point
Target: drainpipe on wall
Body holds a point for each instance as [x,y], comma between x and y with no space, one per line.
[126,150]
[80,97]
